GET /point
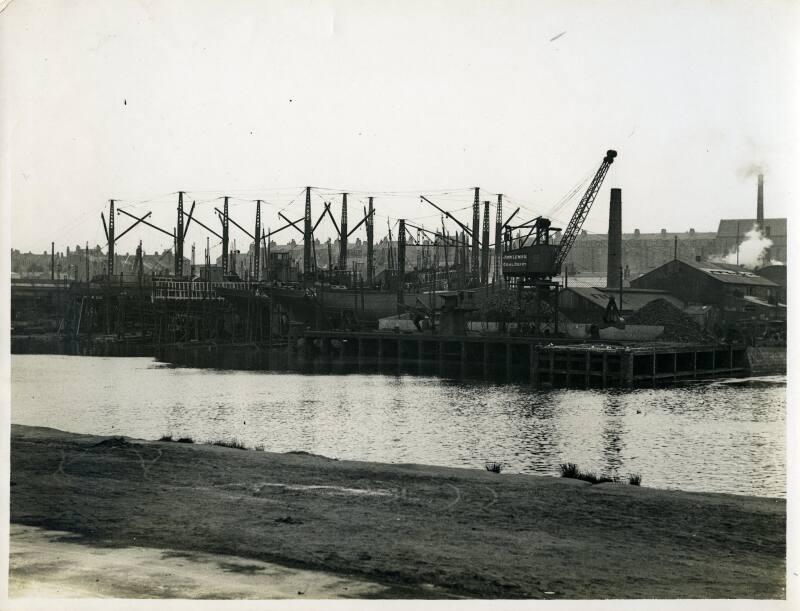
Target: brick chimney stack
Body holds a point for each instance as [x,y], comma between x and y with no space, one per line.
[614,239]
[760,202]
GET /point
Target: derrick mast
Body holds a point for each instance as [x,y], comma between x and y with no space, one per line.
[179,234]
[370,245]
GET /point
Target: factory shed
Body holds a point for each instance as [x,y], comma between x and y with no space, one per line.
[585,304]
[707,283]
[776,273]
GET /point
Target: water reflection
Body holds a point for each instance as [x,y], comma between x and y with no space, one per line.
[613,433]
[719,437]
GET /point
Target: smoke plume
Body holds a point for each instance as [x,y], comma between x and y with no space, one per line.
[751,252]
[750,169]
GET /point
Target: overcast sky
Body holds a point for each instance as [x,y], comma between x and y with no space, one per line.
[137,100]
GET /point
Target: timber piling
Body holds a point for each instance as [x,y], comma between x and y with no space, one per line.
[534,361]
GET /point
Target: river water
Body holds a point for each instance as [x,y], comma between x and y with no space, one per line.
[723,436]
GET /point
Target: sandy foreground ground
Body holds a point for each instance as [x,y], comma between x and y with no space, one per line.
[57,564]
[159,519]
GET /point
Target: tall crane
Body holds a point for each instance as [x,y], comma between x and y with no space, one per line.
[542,259]
[582,211]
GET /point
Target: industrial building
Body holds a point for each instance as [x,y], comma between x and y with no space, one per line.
[732,232]
[641,251]
[776,273]
[735,291]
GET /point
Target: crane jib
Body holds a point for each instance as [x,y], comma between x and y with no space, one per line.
[544,257]
[582,211]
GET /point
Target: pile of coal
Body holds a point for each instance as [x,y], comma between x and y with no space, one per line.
[678,326]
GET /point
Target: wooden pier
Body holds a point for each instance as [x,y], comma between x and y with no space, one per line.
[538,361]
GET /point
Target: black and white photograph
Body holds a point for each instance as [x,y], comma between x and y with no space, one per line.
[349,303]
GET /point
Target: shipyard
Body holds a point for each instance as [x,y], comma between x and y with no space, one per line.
[398,304]
[515,297]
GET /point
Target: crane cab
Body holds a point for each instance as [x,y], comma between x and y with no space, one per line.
[534,261]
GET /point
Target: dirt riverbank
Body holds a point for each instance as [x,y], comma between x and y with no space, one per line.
[421,531]
[58,564]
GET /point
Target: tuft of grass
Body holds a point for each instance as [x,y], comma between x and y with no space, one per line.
[634,479]
[166,437]
[233,443]
[572,471]
[588,476]
[494,467]
[185,440]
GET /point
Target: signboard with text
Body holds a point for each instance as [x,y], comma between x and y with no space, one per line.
[534,260]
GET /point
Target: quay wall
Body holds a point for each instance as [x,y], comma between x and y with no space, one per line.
[498,358]
[766,359]
[53,344]
[501,358]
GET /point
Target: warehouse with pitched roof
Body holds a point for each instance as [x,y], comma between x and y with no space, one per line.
[735,291]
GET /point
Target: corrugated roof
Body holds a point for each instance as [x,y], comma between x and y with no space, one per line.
[776,273]
[632,299]
[729,274]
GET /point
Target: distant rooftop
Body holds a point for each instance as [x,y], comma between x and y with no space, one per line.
[730,274]
[632,299]
[731,228]
[661,235]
